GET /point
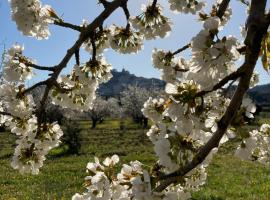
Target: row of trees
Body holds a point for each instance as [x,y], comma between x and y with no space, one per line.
[129,104]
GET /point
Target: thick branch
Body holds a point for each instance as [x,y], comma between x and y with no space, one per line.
[222,8]
[33,87]
[105,3]
[77,57]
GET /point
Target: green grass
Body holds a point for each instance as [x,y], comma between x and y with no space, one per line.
[62,176]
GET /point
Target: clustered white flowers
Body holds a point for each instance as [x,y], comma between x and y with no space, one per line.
[78,88]
[15,68]
[172,68]
[256,145]
[125,41]
[151,22]
[32,18]
[101,40]
[34,142]
[186,6]
[213,59]
[132,182]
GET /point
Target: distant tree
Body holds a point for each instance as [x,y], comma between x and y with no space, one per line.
[115,110]
[71,136]
[132,100]
[99,111]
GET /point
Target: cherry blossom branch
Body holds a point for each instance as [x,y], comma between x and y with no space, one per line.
[105,3]
[77,56]
[94,48]
[68,25]
[257,27]
[33,87]
[126,11]
[85,34]
[40,67]
[154,4]
[233,76]
[181,49]
[221,10]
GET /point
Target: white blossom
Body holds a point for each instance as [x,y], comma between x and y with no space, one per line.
[32,18]
[151,23]
[125,41]
[15,67]
[186,6]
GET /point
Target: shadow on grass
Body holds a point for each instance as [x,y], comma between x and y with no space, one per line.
[6,156]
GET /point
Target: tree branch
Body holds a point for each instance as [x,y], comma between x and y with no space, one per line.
[33,87]
[233,76]
[154,4]
[253,40]
[105,3]
[6,113]
[40,67]
[68,25]
[94,48]
[126,11]
[181,49]
[77,57]
[222,8]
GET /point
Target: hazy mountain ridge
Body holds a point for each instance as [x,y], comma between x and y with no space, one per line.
[121,80]
[261,94]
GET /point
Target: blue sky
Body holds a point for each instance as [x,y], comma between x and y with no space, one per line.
[49,52]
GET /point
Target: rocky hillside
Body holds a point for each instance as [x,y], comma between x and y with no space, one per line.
[121,80]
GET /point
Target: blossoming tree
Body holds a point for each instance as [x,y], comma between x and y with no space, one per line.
[200,116]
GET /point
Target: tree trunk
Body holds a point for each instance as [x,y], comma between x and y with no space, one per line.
[145,122]
[94,123]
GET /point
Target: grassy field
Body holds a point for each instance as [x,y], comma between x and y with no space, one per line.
[63,175]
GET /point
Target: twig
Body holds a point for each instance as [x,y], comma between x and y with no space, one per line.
[233,76]
[181,49]
[77,57]
[94,47]
[222,8]
[126,11]
[68,25]
[154,4]
[40,67]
